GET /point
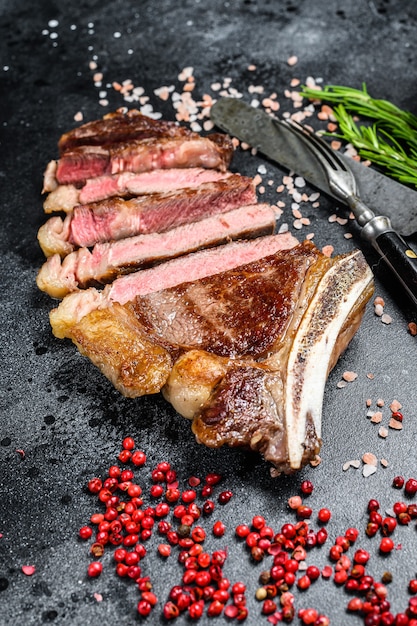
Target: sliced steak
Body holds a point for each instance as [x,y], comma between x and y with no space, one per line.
[194,266]
[118,126]
[244,350]
[105,262]
[125,185]
[117,218]
[155,153]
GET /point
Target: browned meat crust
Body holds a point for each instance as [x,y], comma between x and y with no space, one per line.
[245,352]
[119,126]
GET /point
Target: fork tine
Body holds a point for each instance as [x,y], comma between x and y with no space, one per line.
[340,177]
[321,148]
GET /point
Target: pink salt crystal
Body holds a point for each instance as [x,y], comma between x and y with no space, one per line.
[369,458]
[327,250]
[395,424]
[349,376]
[395,406]
[376,417]
[383,432]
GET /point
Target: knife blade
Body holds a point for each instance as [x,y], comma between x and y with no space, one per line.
[313,159]
[275,140]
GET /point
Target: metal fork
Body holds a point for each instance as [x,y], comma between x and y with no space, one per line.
[376,229]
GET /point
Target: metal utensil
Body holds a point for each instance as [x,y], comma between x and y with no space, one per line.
[298,149]
[376,229]
[274,139]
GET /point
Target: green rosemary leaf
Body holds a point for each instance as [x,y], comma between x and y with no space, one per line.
[387,136]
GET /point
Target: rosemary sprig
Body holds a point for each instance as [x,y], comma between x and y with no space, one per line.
[388,138]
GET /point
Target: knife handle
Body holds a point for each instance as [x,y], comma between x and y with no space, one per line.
[395,251]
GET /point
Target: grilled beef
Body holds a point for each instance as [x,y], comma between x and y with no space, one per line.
[139,155]
[191,267]
[84,268]
[117,218]
[125,185]
[239,338]
[240,344]
[118,126]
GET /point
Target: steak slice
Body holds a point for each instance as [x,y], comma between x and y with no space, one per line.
[245,350]
[105,262]
[119,126]
[190,267]
[116,218]
[66,197]
[139,155]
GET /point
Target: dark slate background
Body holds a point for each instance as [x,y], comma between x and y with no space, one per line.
[58,408]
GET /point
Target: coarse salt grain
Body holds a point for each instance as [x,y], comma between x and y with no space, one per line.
[395,406]
[376,417]
[341,384]
[292,60]
[378,310]
[349,376]
[299,181]
[383,432]
[384,462]
[316,461]
[327,250]
[369,458]
[355,463]
[368,470]
[386,319]
[78,117]
[395,424]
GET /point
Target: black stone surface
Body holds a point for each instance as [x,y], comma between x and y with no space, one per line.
[58,409]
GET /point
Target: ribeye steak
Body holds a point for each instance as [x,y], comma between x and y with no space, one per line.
[239,339]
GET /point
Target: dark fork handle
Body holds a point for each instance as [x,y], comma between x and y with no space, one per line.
[395,251]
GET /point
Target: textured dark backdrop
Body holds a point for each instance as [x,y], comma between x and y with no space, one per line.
[54,404]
